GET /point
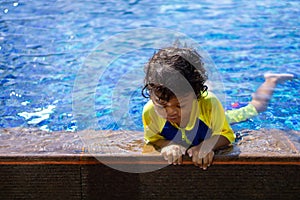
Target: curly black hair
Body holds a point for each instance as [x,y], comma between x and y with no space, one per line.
[175,71]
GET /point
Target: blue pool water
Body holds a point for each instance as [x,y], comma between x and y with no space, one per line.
[44,44]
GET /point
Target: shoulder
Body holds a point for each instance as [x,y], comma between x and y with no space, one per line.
[150,117]
[148,108]
[211,96]
[209,99]
[148,112]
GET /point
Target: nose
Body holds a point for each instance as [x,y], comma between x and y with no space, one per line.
[171,111]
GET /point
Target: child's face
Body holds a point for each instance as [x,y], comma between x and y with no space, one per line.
[174,110]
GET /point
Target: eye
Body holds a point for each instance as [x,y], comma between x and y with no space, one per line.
[159,106]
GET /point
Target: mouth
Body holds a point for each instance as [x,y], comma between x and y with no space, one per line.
[172,118]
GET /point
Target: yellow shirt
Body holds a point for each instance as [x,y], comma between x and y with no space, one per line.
[207,118]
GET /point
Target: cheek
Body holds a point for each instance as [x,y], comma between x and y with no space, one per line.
[179,111]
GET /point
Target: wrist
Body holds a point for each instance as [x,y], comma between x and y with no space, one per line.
[216,142]
[160,144]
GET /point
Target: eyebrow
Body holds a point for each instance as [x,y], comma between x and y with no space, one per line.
[157,102]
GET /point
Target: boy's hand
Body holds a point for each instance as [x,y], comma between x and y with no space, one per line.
[173,153]
[201,157]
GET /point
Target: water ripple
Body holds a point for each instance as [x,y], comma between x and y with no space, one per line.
[43,44]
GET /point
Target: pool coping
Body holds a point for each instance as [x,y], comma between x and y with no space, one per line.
[32,159]
[250,149]
[42,165]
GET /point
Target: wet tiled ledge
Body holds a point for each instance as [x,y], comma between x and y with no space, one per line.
[34,164]
[86,147]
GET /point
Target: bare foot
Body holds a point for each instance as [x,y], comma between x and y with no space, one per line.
[278,78]
[262,96]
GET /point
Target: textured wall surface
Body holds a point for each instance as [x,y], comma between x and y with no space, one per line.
[262,164]
[97,181]
[40,182]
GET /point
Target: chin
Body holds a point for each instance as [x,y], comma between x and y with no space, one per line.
[183,124]
[173,121]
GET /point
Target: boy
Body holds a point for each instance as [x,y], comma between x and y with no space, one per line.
[182,115]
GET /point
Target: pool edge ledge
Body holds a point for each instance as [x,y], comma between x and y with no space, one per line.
[34,146]
[87,159]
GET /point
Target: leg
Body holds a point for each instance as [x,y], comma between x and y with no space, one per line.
[262,96]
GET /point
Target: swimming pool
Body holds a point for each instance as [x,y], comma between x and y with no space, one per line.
[44,45]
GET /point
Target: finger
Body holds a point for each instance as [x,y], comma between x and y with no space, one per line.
[200,162]
[210,158]
[190,152]
[175,154]
[195,158]
[164,154]
[205,162]
[170,158]
[179,156]
[180,160]
[183,150]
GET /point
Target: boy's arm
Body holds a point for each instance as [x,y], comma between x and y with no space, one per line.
[214,143]
[151,126]
[203,154]
[161,143]
[221,131]
[170,151]
[152,136]
[222,135]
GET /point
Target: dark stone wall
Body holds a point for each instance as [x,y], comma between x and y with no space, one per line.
[222,182]
[40,182]
[102,182]
[98,181]
[34,164]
